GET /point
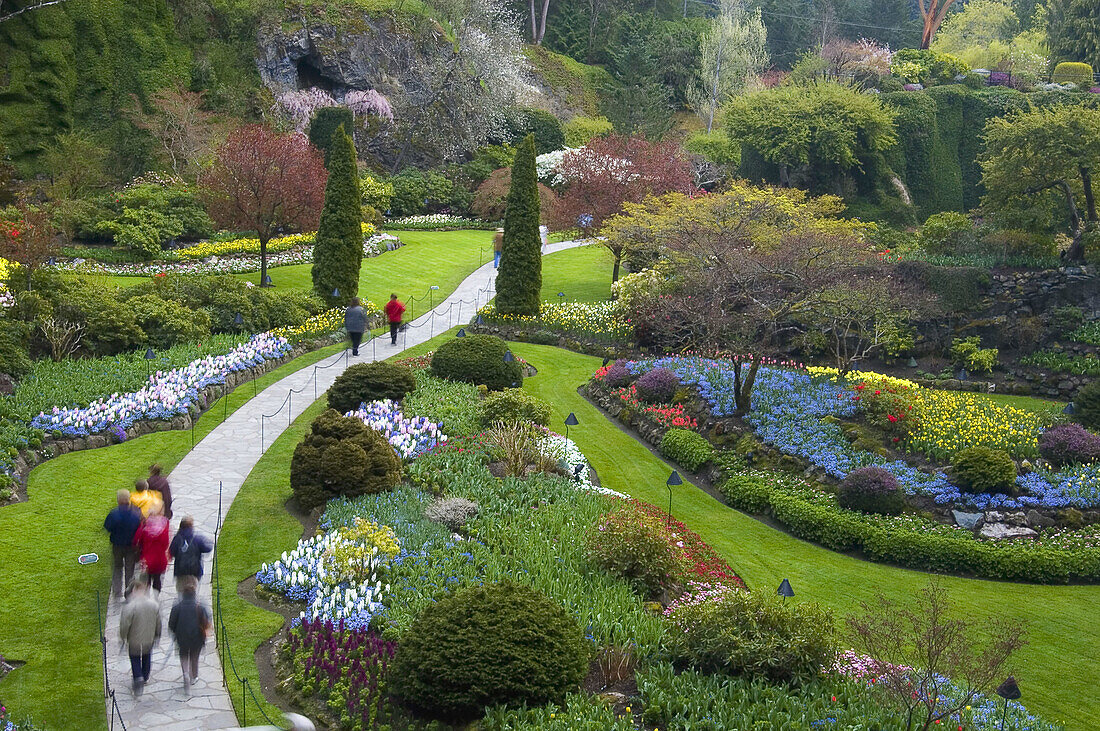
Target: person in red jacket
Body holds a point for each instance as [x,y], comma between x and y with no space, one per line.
[152,540]
[394,310]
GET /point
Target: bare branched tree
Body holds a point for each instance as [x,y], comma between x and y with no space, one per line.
[62,335]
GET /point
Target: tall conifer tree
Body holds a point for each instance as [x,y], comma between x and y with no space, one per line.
[338,251]
[519,279]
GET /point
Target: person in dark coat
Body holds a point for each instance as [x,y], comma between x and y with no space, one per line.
[157,481]
[355,322]
[122,523]
[189,622]
[186,550]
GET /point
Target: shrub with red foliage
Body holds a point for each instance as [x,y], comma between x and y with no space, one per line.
[1069,444]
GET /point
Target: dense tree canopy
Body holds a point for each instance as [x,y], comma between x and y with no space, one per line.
[1073,31]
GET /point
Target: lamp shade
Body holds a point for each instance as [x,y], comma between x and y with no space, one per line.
[1069,409]
[149,354]
[674,479]
[912,363]
[508,357]
[461,333]
[571,420]
[1008,690]
[785,589]
[238,319]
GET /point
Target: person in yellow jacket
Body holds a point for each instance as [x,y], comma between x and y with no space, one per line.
[148,501]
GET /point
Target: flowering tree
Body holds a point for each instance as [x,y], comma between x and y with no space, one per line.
[732,52]
[301,105]
[262,181]
[29,240]
[612,171]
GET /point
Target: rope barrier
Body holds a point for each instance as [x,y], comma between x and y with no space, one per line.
[108,692]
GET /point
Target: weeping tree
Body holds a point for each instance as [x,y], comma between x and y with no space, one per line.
[338,251]
[519,280]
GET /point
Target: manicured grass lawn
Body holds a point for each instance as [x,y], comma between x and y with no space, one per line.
[47,600]
[1057,671]
[583,274]
[257,529]
[1028,403]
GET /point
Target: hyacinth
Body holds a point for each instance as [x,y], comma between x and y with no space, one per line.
[571,459]
[700,593]
[7,299]
[168,393]
[410,436]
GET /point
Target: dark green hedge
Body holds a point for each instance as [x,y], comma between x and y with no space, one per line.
[844,531]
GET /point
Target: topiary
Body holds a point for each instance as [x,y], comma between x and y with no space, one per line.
[519,278]
[341,456]
[871,490]
[477,359]
[513,404]
[1086,405]
[325,122]
[657,386]
[366,382]
[338,250]
[497,644]
[688,448]
[1069,444]
[981,469]
[1072,72]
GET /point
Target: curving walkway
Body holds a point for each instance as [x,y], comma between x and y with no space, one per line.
[204,484]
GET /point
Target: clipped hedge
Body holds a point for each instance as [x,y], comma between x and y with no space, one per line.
[1072,72]
[477,359]
[513,404]
[843,531]
[689,449]
[366,382]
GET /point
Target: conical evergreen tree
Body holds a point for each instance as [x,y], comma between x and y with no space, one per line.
[519,279]
[338,251]
[325,122]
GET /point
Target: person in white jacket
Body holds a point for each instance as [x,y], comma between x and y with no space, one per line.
[139,631]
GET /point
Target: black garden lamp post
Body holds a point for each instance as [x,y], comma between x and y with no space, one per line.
[508,357]
[570,420]
[561,297]
[1010,691]
[238,319]
[461,333]
[785,590]
[1069,410]
[267,281]
[336,293]
[431,296]
[962,374]
[912,362]
[149,356]
[672,481]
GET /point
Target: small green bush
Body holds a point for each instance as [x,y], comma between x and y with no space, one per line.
[580,130]
[1086,406]
[871,490]
[14,360]
[542,124]
[341,456]
[967,353]
[366,382]
[166,323]
[687,448]
[1073,72]
[981,469]
[948,232]
[1064,320]
[513,404]
[752,634]
[630,545]
[477,359]
[497,644]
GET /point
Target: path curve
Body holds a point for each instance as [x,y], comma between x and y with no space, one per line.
[226,456]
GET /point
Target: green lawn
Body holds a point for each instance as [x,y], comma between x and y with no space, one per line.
[1057,671]
[257,529]
[48,602]
[583,274]
[1027,403]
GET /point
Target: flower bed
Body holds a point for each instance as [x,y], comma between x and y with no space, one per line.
[437,222]
[411,436]
[598,320]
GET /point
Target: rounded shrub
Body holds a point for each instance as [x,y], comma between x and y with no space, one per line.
[687,448]
[341,456]
[497,644]
[1066,444]
[1072,72]
[477,359]
[366,382]
[752,634]
[617,376]
[946,233]
[513,404]
[981,469]
[630,545]
[871,490]
[657,386]
[1086,405]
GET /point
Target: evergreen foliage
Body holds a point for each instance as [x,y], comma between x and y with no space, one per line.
[338,253]
[1073,31]
[488,645]
[477,359]
[324,124]
[519,280]
[366,382]
[1086,406]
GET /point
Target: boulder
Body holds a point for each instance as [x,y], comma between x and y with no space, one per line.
[966,520]
[1004,532]
[1035,519]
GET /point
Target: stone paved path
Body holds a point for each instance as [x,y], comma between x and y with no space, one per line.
[227,455]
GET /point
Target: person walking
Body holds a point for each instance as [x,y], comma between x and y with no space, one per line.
[186,549]
[394,310]
[498,246]
[189,622]
[121,524]
[544,237]
[139,631]
[355,322]
[152,541]
[145,499]
[157,482]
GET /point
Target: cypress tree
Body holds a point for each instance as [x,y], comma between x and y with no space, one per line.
[338,251]
[324,124]
[519,279]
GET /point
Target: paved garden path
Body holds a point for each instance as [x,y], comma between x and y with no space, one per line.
[222,460]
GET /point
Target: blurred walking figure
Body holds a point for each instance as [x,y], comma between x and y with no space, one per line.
[145,499]
[159,483]
[355,322]
[189,622]
[122,523]
[186,550]
[498,246]
[394,310]
[152,541]
[139,631]
[544,237]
